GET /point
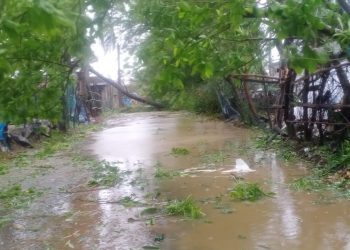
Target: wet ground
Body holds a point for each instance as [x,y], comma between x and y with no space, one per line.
[139,144]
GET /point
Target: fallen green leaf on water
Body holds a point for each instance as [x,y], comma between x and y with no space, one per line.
[150,247]
[128,201]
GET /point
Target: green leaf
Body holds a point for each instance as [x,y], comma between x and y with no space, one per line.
[208,71]
[178,84]
[11,28]
[4,65]
[175,51]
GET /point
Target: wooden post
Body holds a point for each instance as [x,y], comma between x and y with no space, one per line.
[120,98]
[305,97]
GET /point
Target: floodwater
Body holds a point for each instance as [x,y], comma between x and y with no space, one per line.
[140,143]
[290,220]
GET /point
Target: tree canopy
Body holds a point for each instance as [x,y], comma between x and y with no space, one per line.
[42,43]
[183,47]
[215,38]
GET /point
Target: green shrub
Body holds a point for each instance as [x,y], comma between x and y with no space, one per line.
[187,208]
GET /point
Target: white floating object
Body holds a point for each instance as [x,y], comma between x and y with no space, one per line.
[242,167]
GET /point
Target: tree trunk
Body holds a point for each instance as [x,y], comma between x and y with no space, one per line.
[125,92]
[288,103]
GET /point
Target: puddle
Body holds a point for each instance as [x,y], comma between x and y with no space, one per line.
[138,143]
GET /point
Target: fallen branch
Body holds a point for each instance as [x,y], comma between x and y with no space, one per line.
[124,91]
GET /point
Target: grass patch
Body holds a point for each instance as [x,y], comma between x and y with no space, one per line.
[285,149]
[245,191]
[331,171]
[15,197]
[4,221]
[3,169]
[179,151]
[21,160]
[187,208]
[59,141]
[105,174]
[308,183]
[323,180]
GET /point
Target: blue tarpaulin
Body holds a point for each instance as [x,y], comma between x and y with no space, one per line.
[75,107]
[3,131]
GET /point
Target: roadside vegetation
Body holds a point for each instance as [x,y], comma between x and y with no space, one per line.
[16,197]
[3,169]
[329,166]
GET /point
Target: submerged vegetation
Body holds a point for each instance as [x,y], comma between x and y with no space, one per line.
[3,169]
[330,169]
[187,208]
[163,173]
[215,158]
[244,191]
[105,174]
[129,201]
[284,149]
[179,151]
[15,197]
[321,180]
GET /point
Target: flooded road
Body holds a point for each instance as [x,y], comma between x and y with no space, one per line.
[290,220]
[139,145]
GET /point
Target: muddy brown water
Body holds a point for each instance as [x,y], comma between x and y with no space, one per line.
[138,144]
